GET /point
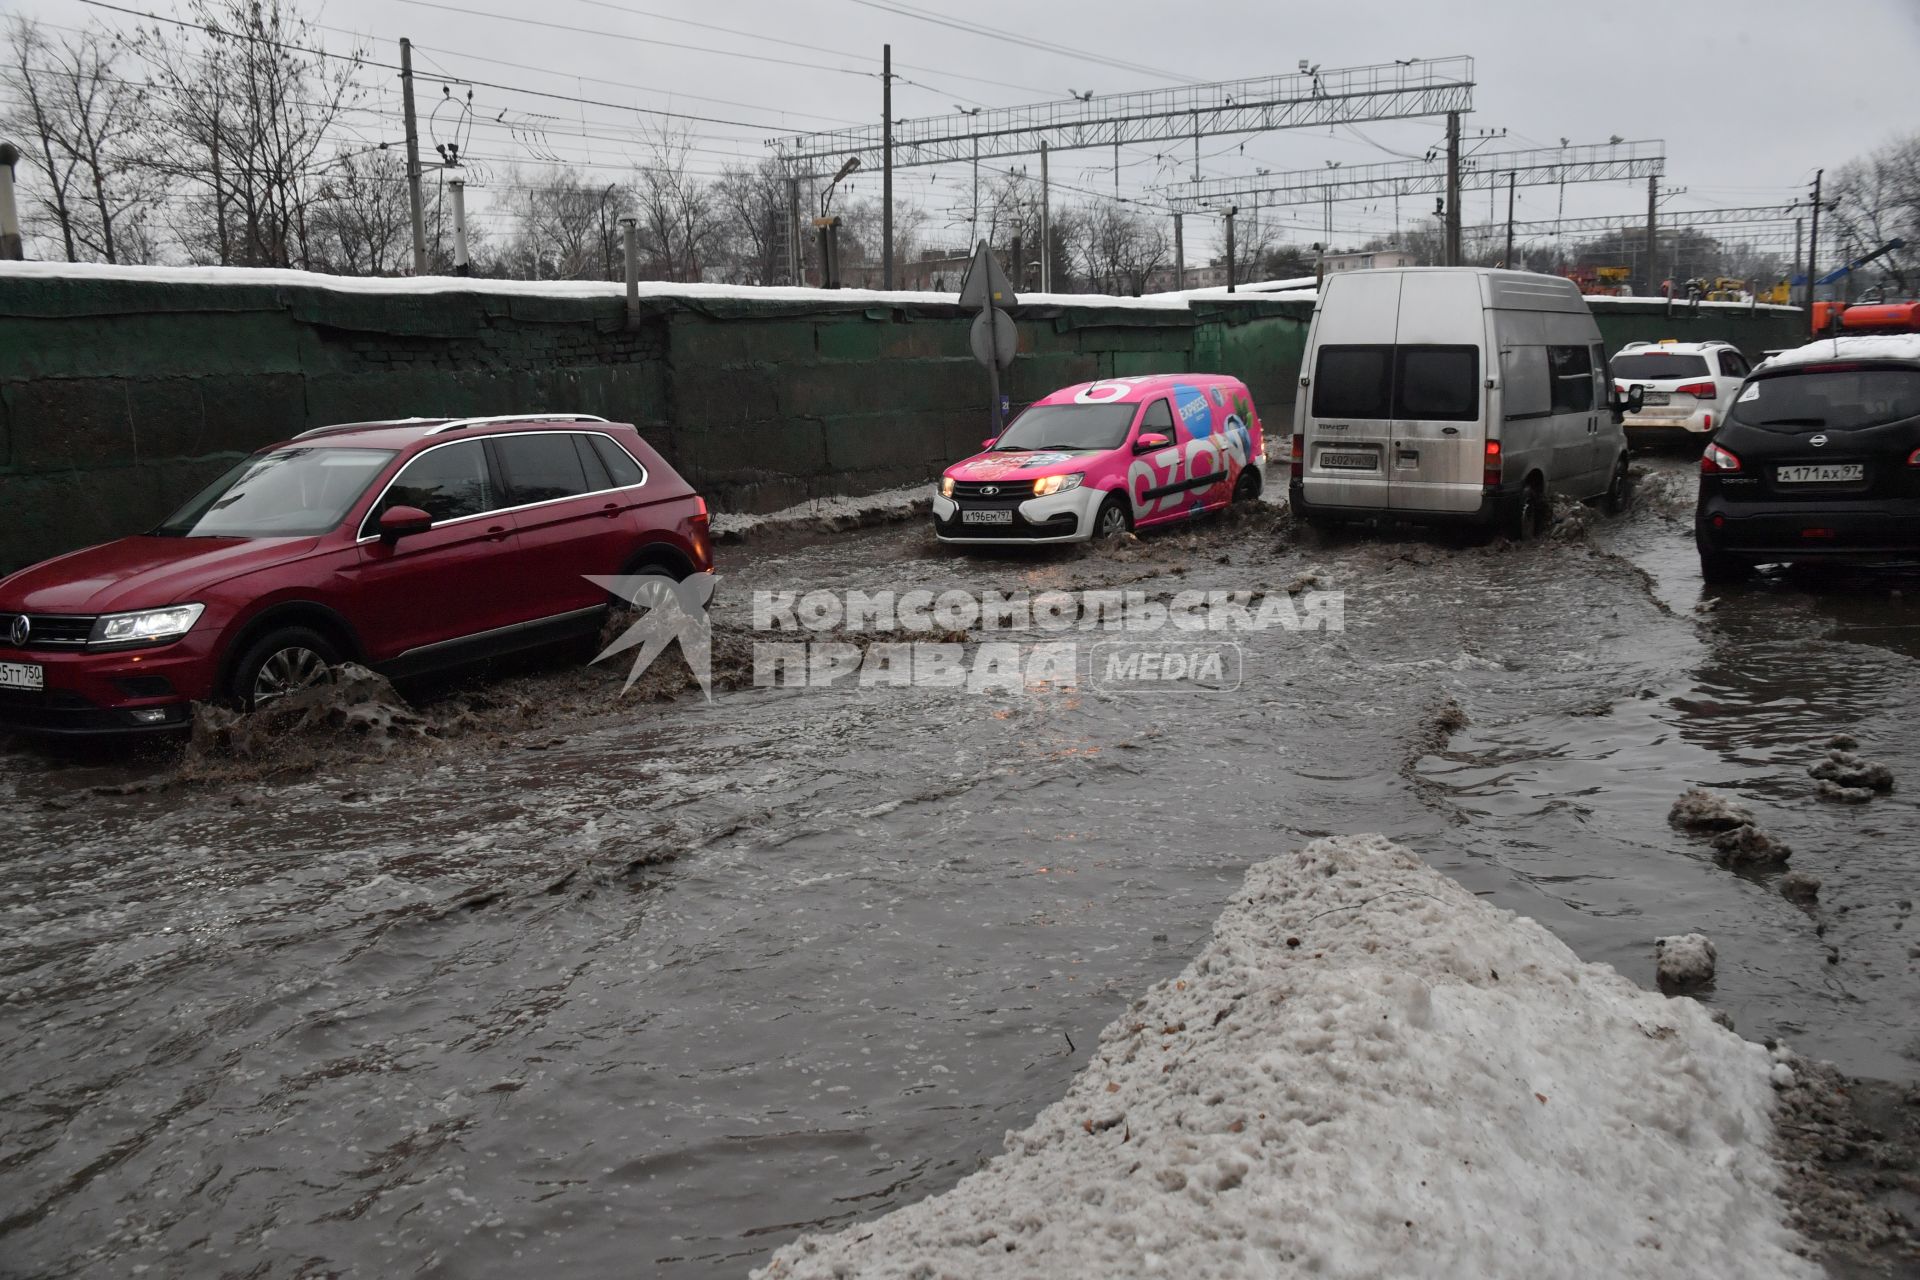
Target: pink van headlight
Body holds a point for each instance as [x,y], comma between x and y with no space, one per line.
[1057,484]
[946,486]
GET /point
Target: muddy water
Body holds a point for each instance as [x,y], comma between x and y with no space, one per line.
[656,995]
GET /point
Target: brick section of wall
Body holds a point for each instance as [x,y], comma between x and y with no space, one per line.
[119,398]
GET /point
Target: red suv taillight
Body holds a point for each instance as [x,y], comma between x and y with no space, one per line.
[1297,461]
[1698,390]
[1716,460]
[1490,475]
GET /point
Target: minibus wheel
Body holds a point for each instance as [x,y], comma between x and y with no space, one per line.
[1620,490]
[1530,514]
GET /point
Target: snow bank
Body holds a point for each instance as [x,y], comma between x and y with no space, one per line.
[839,512]
[1371,1072]
[99,272]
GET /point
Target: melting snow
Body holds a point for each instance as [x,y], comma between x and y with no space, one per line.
[1370,1071]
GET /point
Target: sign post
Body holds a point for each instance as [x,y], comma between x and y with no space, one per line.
[993,338]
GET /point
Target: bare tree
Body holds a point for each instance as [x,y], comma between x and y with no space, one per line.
[1876,201]
[247,105]
[360,221]
[69,97]
[755,207]
[681,220]
[1120,246]
[567,227]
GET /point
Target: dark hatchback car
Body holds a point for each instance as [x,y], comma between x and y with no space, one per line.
[407,546]
[1819,460]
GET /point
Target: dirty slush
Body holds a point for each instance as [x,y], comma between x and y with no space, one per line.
[523,975]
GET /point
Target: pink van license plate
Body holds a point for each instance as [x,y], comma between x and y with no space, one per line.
[986,517]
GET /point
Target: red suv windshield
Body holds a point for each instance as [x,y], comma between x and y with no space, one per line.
[288,493]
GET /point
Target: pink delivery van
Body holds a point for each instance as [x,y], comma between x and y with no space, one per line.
[1095,459]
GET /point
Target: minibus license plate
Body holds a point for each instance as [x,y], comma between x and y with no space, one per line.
[22,675]
[1349,461]
[986,517]
[1831,473]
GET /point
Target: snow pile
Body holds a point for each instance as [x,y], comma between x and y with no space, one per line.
[1701,810]
[1849,772]
[1684,961]
[1370,1071]
[829,515]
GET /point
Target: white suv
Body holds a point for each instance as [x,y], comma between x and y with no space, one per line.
[1689,386]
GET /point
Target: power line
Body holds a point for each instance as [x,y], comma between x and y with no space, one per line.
[1008,37]
[621,35]
[479,84]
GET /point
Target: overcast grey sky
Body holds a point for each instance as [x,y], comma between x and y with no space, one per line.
[1750,97]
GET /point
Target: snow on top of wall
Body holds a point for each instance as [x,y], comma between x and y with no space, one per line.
[1865,346]
[1684,304]
[1369,1071]
[96,272]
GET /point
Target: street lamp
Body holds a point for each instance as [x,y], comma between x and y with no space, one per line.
[828,228]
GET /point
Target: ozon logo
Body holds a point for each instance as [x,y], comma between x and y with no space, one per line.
[1180,475]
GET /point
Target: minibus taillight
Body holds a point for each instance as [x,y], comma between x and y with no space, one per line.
[1297,463]
[1716,460]
[1491,476]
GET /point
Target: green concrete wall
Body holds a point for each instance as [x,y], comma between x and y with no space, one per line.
[120,396]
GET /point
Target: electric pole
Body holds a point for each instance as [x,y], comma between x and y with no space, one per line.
[793,233]
[1231,210]
[414,198]
[1813,241]
[1653,214]
[1508,261]
[1799,243]
[1179,254]
[886,166]
[1046,228]
[1451,236]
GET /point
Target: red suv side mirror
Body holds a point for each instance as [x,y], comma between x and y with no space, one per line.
[398,522]
[1150,441]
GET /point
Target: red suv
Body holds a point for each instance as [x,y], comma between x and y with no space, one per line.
[405,545]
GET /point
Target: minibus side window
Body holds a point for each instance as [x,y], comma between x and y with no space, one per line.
[1572,379]
[1353,382]
[1437,383]
[1523,379]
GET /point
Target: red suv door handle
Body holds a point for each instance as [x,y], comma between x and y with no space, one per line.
[497,533]
[611,510]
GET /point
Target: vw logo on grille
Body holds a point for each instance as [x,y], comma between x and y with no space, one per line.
[1818,441]
[988,490]
[22,628]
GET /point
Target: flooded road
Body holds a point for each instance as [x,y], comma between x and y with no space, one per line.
[651,990]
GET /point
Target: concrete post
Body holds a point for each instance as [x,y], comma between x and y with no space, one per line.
[630,239]
[457,188]
[11,248]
